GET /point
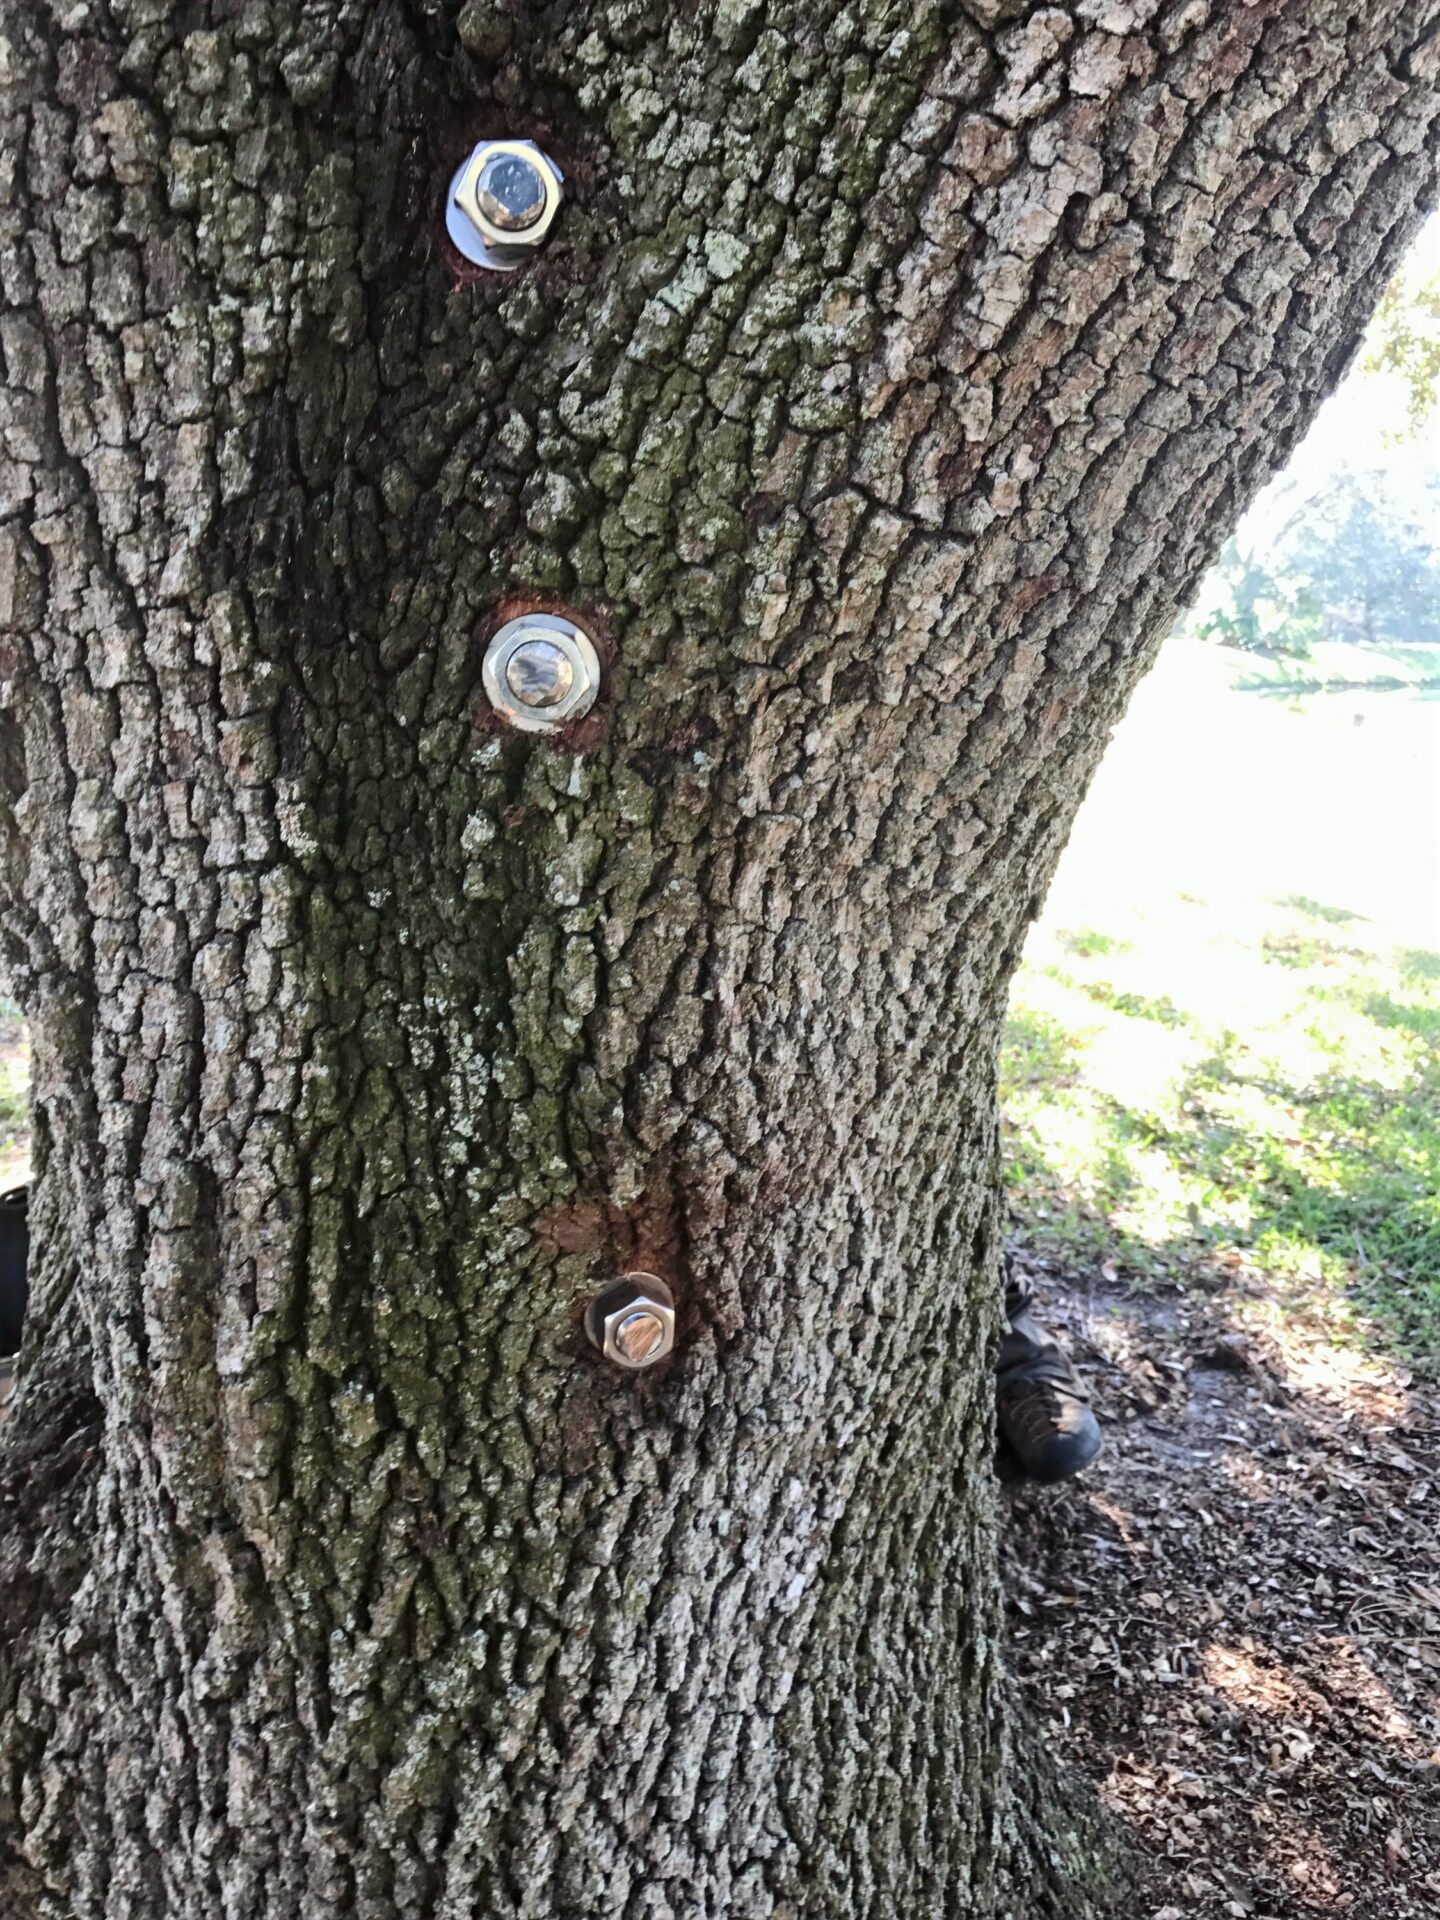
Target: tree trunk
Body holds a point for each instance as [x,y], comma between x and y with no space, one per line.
[891,376]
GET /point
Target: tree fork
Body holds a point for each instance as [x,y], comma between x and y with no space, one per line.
[888,380]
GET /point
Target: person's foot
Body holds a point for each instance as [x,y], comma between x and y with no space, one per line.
[14,1256]
[1042,1408]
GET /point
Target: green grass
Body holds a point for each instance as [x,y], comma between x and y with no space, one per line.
[1087,940]
[1417,968]
[1317,910]
[1190,1097]
[1341,664]
[14,1080]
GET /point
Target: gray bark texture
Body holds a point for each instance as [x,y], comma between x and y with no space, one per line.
[892,374]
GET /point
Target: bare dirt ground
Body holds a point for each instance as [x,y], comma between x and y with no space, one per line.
[1231,1623]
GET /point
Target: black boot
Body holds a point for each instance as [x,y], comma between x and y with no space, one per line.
[1042,1408]
[14,1258]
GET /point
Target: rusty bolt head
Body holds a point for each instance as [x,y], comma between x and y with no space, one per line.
[632,1321]
[503,203]
[541,671]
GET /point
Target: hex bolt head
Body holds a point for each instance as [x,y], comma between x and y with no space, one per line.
[503,203]
[510,191]
[632,1321]
[541,672]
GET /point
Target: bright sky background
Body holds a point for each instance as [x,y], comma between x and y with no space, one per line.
[1240,799]
[1364,424]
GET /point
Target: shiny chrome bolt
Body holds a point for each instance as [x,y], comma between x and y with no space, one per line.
[541,672]
[632,1321]
[503,203]
[510,191]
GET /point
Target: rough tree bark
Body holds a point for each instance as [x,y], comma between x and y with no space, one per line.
[893,373]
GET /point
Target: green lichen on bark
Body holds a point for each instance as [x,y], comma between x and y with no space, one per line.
[890,377]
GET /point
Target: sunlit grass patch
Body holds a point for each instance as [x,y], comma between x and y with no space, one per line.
[1163,1010]
[1040,1051]
[1088,940]
[14,1084]
[1417,1019]
[1418,968]
[1300,950]
[1195,1108]
[1317,910]
[1340,663]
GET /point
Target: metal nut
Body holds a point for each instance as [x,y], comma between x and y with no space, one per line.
[503,202]
[632,1321]
[541,671]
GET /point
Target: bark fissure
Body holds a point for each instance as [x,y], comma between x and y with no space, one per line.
[891,376]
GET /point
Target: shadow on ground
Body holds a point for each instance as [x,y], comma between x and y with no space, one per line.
[1223,1153]
[1231,1623]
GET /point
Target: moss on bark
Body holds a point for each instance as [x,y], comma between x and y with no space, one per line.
[892,375]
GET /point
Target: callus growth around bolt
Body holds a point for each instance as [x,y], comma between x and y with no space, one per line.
[541,672]
[503,203]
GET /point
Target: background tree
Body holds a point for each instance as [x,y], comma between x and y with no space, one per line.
[1359,561]
[1404,337]
[892,377]
[1371,565]
[1252,607]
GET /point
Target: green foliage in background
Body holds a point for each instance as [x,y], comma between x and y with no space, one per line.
[1197,1102]
[1357,563]
[1351,555]
[1404,339]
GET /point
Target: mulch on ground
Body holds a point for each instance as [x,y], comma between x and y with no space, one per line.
[1231,1623]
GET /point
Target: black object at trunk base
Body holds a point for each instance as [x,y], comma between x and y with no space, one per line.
[14,1260]
[1042,1409]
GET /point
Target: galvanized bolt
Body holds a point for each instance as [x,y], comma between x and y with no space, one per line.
[539,674]
[632,1321]
[541,671]
[510,190]
[503,203]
